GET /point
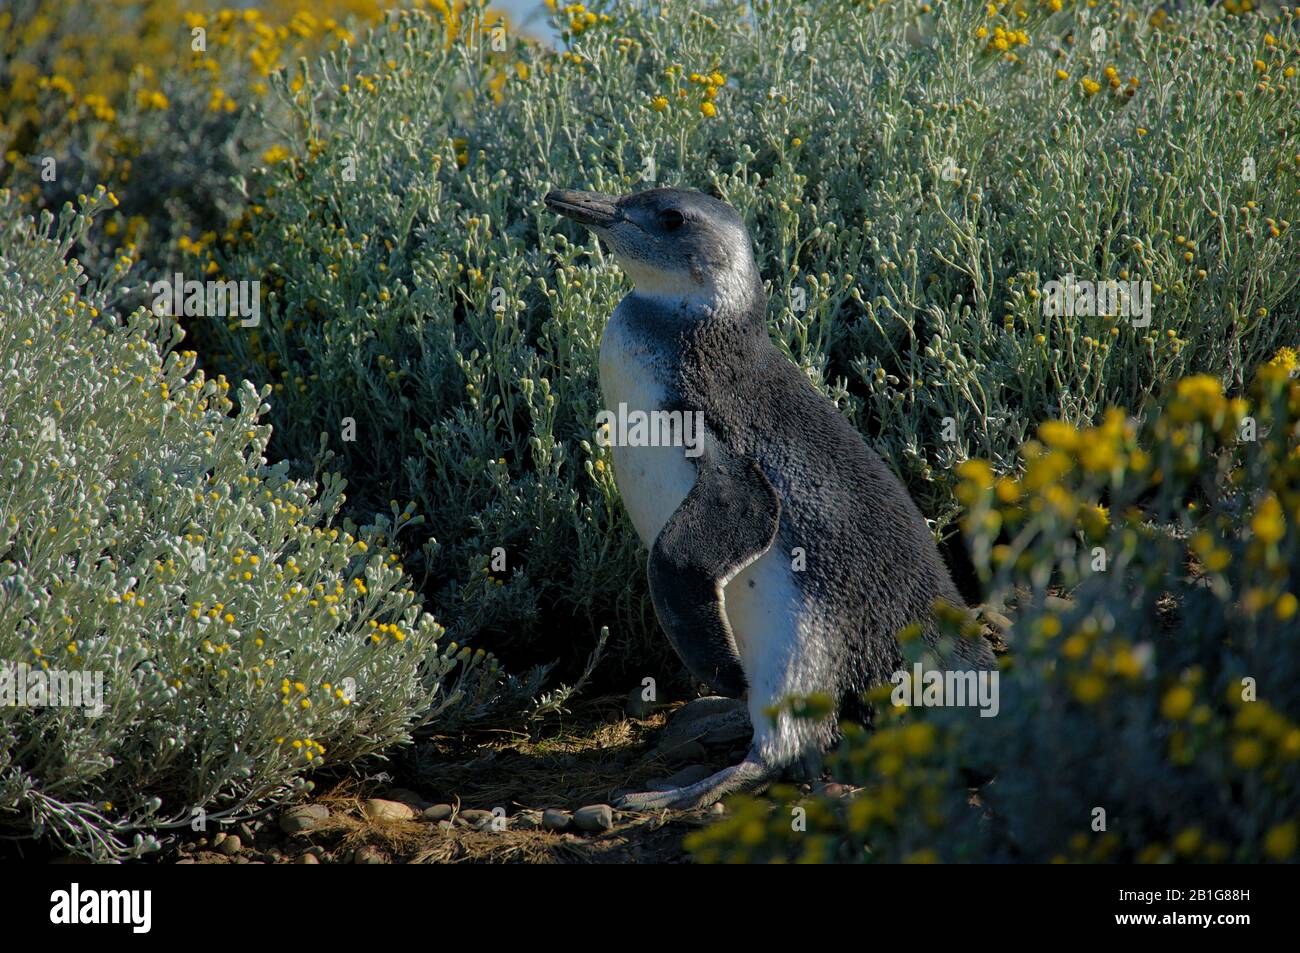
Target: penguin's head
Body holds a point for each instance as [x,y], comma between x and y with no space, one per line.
[675,244]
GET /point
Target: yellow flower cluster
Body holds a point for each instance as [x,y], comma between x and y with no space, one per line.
[580,18]
[1004,40]
[709,84]
[137,39]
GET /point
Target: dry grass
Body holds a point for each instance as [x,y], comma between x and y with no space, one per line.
[582,759]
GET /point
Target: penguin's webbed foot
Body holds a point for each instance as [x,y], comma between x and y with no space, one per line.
[749,777]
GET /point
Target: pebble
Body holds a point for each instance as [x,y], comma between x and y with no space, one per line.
[409,798]
[369,855]
[307,859]
[594,818]
[710,706]
[230,845]
[438,812]
[526,821]
[304,817]
[556,820]
[476,819]
[379,809]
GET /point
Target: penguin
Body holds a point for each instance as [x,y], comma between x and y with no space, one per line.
[784,555]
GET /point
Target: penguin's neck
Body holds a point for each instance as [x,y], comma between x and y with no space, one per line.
[724,292]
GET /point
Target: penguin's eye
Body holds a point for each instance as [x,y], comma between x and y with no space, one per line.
[670,219]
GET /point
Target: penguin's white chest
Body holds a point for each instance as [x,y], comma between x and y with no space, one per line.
[762,602]
[653,481]
[781,650]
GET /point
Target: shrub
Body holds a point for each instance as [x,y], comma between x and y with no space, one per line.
[913,176]
[386,277]
[1154,715]
[242,638]
[161,105]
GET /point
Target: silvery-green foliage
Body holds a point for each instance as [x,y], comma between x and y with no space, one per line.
[179,172]
[242,638]
[1151,717]
[914,187]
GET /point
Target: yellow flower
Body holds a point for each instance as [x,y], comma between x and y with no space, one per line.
[1090,86]
[708,109]
[1058,434]
[659,103]
[979,472]
[1188,841]
[275,154]
[152,99]
[1280,841]
[1286,606]
[1268,523]
[1247,754]
[1089,688]
[1177,703]
[1286,359]
[918,739]
[1199,397]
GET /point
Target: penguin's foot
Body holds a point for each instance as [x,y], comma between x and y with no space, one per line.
[749,777]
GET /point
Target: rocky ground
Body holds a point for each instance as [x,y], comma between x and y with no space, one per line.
[504,798]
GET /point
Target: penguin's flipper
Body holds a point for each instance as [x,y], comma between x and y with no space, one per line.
[727,521]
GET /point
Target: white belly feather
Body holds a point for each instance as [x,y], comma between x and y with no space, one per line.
[764,605]
[653,481]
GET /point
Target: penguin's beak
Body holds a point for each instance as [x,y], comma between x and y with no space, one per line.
[585,208]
